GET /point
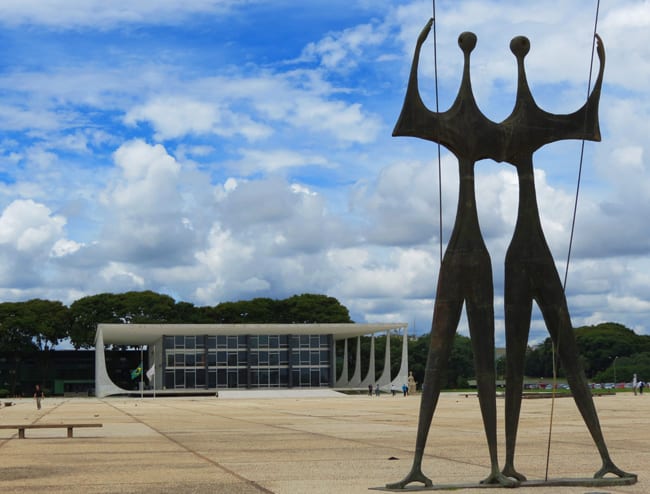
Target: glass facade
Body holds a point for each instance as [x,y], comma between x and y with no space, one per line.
[247,361]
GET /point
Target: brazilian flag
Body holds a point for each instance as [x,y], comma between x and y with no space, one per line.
[137,372]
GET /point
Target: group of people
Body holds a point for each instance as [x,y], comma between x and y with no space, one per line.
[393,390]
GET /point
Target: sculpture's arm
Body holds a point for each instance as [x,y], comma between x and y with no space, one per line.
[582,124]
[416,120]
[589,112]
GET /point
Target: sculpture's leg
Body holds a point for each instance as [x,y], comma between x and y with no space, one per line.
[480,317]
[552,303]
[446,315]
[518,308]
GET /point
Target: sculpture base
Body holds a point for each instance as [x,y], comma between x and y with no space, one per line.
[579,482]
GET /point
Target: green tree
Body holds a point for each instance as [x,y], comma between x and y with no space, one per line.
[599,345]
[310,309]
[626,367]
[15,336]
[86,313]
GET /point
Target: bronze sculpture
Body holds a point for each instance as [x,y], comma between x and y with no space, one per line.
[465,272]
[530,272]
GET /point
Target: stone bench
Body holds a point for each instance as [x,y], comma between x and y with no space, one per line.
[21,427]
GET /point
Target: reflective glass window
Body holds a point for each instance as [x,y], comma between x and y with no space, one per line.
[179,378]
[263,377]
[242,376]
[263,358]
[232,378]
[324,357]
[284,377]
[324,377]
[190,379]
[169,380]
[222,380]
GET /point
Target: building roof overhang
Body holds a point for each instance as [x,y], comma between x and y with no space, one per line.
[147,334]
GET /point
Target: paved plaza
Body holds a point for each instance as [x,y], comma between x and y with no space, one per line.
[301,442]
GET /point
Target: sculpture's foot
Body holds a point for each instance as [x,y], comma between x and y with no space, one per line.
[509,471]
[609,467]
[415,475]
[501,479]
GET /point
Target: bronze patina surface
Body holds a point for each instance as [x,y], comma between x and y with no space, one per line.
[530,274]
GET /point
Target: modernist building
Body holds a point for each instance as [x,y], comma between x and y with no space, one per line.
[215,356]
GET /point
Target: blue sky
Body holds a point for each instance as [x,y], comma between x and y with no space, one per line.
[225,150]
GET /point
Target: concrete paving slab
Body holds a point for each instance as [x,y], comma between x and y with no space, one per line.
[293,442]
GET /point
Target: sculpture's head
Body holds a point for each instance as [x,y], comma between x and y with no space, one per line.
[520,46]
[467,41]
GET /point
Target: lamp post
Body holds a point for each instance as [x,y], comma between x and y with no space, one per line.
[615,381]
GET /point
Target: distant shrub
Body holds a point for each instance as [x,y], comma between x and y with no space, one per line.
[4,393]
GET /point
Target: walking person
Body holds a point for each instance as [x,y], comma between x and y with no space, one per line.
[38,396]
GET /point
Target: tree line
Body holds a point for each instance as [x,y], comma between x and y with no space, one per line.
[609,352]
[41,324]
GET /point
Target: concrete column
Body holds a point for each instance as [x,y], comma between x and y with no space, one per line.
[370,375]
[343,380]
[103,384]
[384,380]
[403,374]
[355,381]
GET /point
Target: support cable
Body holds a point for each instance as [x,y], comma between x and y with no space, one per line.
[435,75]
[555,351]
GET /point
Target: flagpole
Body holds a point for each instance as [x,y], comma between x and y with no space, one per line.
[154,371]
[141,373]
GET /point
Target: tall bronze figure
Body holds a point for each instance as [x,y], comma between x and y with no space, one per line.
[465,273]
[530,272]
